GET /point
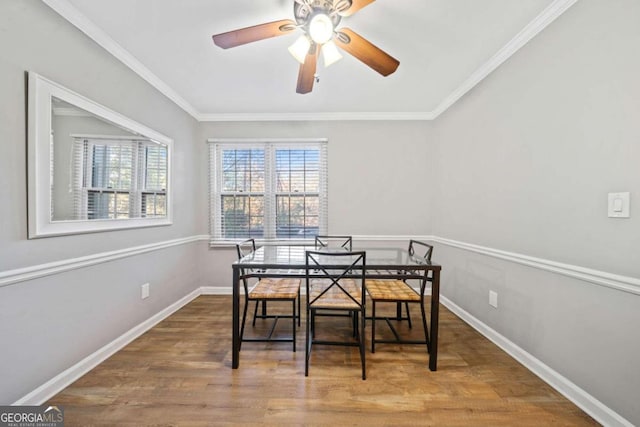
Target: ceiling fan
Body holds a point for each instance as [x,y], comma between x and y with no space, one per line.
[318,19]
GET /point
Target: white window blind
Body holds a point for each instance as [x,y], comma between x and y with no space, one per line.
[154,188]
[119,178]
[267,190]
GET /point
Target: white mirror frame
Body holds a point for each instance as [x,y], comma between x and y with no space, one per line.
[41,91]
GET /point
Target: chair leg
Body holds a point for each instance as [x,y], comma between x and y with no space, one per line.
[354,319]
[299,311]
[373,326]
[361,340]
[424,325]
[293,323]
[406,304]
[255,313]
[244,319]
[307,344]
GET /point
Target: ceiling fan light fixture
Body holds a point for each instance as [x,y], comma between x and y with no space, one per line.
[330,53]
[321,28]
[300,48]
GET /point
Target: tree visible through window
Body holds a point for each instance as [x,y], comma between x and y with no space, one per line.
[297,193]
[268,190]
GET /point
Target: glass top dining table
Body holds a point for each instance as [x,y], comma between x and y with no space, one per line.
[381,263]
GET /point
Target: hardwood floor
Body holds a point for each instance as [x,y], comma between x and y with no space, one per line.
[179,373]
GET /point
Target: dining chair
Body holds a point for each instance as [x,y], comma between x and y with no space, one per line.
[335,281]
[400,292]
[334,241]
[268,289]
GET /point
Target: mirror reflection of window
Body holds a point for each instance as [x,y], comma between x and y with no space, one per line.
[154,193]
[101,171]
[89,168]
[119,178]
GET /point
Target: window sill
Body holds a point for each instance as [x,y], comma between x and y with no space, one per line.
[262,242]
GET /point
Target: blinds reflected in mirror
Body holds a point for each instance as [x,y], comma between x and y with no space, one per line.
[118,178]
[154,199]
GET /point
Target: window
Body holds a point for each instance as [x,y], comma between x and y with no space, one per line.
[268,190]
[119,178]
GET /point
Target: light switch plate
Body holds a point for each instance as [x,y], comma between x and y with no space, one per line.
[619,205]
[493,299]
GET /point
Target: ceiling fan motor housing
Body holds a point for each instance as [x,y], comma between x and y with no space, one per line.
[319,20]
[305,10]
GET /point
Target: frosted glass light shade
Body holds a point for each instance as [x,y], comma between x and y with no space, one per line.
[330,53]
[300,48]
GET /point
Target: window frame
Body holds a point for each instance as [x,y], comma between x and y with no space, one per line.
[217,145]
[84,165]
[41,165]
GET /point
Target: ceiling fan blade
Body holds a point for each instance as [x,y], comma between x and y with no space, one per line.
[356,5]
[366,52]
[253,34]
[307,73]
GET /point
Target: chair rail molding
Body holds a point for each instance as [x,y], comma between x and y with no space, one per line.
[614,281]
[610,280]
[18,275]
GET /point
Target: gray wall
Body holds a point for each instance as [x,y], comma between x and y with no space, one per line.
[379,177]
[366,159]
[524,163]
[49,324]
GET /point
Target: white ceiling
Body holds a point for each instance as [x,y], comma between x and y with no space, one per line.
[444,48]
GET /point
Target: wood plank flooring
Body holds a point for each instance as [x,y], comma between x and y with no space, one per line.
[179,373]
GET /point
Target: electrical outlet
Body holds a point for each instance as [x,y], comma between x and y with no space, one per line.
[145,291]
[493,299]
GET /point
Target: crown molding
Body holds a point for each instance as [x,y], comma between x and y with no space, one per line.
[294,117]
[533,28]
[72,112]
[75,17]
[539,23]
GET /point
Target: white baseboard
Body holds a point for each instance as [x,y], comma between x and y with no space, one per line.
[592,406]
[65,378]
[216,290]
[596,409]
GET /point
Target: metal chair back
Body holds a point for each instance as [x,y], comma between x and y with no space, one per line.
[333,242]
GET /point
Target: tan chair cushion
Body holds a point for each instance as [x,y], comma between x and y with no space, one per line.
[335,298]
[391,290]
[268,288]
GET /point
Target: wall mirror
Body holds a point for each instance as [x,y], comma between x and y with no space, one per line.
[91,169]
